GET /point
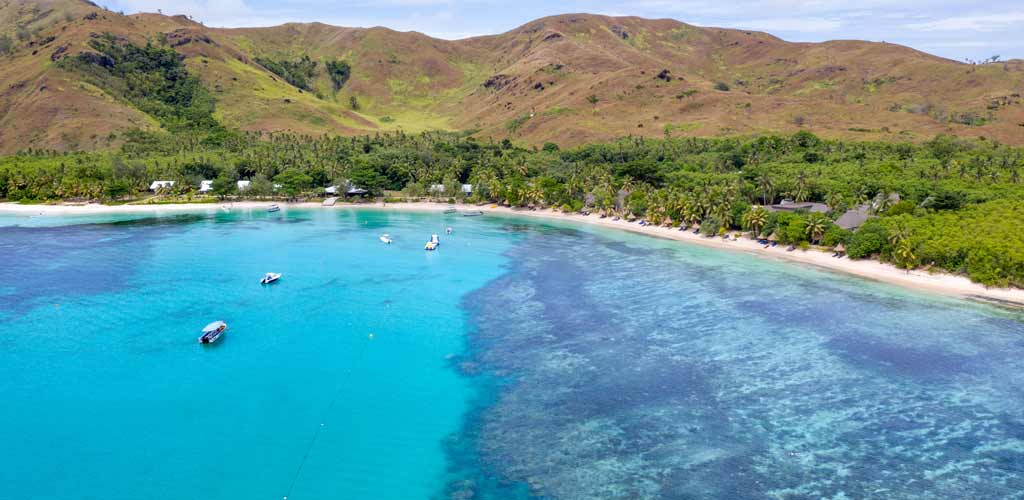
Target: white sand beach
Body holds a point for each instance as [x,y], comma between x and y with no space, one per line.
[936,282]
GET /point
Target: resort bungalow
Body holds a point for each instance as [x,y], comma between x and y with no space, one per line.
[436,189]
[160,185]
[331,190]
[467,189]
[205,186]
[854,217]
[354,191]
[793,206]
[244,185]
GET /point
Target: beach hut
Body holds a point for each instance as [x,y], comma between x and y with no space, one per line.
[205,186]
[467,189]
[854,218]
[840,250]
[160,185]
[243,185]
[331,190]
[436,189]
[773,238]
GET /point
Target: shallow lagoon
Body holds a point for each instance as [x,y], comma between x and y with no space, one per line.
[521,359]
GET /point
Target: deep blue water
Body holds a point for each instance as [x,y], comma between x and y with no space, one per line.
[522,359]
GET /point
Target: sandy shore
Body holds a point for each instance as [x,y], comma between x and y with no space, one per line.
[942,283]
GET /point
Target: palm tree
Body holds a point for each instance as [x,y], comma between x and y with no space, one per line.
[767,187]
[904,254]
[883,201]
[816,225]
[755,219]
[898,234]
[801,192]
[834,200]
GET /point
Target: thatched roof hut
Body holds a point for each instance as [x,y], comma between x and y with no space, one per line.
[840,248]
[773,237]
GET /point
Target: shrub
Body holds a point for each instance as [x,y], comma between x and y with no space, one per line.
[722,86]
[872,238]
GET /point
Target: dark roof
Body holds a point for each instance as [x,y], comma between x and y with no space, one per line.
[792,206]
[854,218]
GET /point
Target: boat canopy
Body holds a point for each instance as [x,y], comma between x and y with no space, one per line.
[212,327]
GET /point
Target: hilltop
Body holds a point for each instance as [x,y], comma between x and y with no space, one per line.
[568,79]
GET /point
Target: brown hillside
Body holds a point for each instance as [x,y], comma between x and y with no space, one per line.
[568,79]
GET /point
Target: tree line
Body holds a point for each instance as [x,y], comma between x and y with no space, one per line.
[960,208]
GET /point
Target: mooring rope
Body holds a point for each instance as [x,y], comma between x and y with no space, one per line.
[316,435]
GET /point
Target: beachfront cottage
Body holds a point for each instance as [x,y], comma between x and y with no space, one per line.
[331,190]
[854,217]
[161,185]
[794,206]
[467,189]
[205,186]
[354,191]
[437,189]
[243,185]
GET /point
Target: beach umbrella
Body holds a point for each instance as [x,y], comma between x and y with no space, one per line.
[773,237]
[840,248]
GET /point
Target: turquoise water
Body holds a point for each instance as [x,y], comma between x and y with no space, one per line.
[522,359]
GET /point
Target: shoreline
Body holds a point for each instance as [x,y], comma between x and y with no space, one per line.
[937,282]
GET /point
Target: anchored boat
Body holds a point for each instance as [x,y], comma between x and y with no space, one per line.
[273,208]
[385,239]
[450,210]
[472,213]
[433,243]
[270,278]
[213,332]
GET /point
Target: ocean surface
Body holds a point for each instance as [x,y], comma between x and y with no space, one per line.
[523,359]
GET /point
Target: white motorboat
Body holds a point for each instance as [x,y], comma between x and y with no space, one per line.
[385,239]
[213,332]
[270,278]
[273,208]
[433,243]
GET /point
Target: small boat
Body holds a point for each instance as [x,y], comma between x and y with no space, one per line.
[433,243]
[213,332]
[270,278]
[472,213]
[450,210]
[273,208]
[448,230]
[385,239]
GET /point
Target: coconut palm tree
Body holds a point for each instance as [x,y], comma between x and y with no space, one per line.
[834,200]
[767,187]
[755,219]
[904,255]
[816,226]
[898,234]
[802,190]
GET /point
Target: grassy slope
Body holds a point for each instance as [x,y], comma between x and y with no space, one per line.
[548,70]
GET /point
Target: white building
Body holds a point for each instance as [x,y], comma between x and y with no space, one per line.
[331,190]
[437,188]
[467,189]
[205,186]
[244,185]
[160,184]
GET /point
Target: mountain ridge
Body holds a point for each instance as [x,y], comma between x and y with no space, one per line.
[569,79]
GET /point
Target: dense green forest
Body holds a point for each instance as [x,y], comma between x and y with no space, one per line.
[151,77]
[961,202]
